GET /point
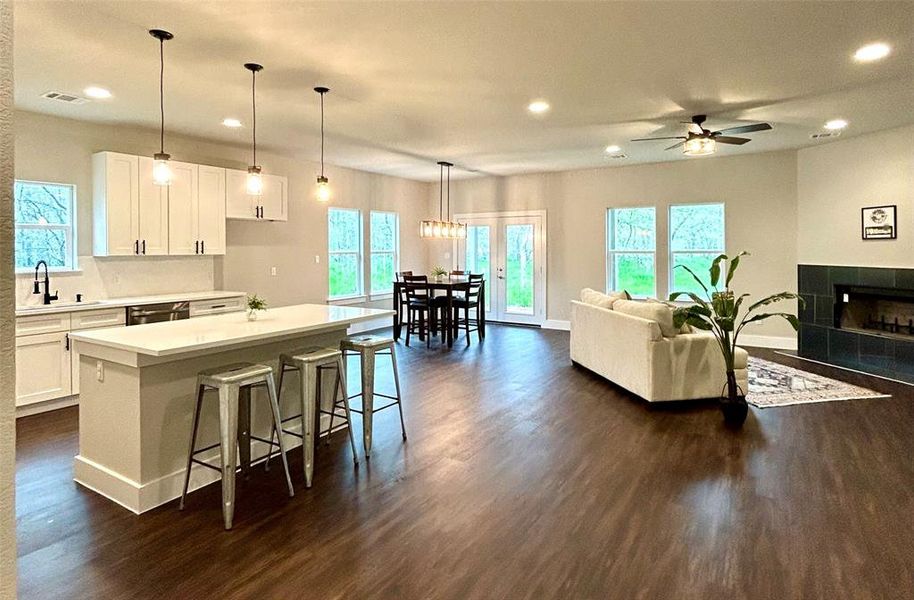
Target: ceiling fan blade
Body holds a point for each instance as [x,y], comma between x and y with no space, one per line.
[678,137]
[674,146]
[725,139]
[745,128]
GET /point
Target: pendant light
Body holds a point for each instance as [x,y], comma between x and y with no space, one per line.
[254,183]
[323,184]
[161,172]
[443,229]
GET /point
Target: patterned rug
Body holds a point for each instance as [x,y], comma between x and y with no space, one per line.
[772,384]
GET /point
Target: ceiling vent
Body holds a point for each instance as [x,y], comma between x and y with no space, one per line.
[64,97]
[614,156]
[825,134]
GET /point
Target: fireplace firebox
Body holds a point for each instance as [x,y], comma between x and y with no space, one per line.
[887,311]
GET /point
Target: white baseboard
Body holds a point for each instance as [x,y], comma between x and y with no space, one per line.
[139,498]
[768,341]
[48,405]
[557,324]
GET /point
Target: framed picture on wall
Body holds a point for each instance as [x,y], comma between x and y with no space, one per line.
[879,222]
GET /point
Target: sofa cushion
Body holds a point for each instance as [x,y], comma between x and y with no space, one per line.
[589,296]
[686,328]
[652,311]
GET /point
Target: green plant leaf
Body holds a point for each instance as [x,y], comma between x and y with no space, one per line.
[792,319]
[694,297]
[715,269]
[776,298]
[734,263]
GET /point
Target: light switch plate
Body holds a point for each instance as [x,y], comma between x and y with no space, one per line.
[317,259]
[273,271]
[100,370]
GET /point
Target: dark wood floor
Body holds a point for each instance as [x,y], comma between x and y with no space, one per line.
[523,477]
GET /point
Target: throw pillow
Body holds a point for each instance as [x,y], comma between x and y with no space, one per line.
[652,311]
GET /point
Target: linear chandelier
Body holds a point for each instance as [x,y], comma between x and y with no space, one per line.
[443,229]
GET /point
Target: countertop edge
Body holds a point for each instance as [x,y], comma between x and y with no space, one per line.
[129,301]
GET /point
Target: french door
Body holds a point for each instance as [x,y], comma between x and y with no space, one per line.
[509,249]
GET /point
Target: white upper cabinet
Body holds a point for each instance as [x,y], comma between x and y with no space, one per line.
[196,210]
[211,210]
[153,213]
[272,205]
[116,204]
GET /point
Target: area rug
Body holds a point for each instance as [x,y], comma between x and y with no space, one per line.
[773,384]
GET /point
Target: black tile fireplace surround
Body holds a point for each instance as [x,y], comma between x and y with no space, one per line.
[865,336]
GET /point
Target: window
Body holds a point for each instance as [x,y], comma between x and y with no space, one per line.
[385,250]
[696,238]
[345,241]
[45,215]
[631,241]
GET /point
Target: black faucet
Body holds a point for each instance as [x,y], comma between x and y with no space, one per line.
[47,283]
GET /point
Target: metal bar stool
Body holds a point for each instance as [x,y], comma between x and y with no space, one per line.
[311,363]
[368,347]
[229,382]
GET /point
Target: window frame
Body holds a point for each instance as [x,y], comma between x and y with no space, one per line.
[372,252]
[712,253]
[360,275]
[610,251]
[70,229]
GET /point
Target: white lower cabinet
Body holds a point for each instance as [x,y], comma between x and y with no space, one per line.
[42,367]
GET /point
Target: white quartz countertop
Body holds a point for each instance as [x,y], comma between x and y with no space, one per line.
[64,307]
[221,331]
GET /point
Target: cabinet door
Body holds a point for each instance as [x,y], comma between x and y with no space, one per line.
[275,199]
[182,209]
[42,368]
[238,204]
[153,213]
[211,209]
[117,203]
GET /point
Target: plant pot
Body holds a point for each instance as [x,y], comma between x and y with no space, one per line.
[252,315]
[439,278]
[733,405]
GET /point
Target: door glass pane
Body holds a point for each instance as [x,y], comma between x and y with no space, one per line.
[519,268]
[478,258]
[634,273]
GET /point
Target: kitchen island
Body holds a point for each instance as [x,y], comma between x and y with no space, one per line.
[138,385]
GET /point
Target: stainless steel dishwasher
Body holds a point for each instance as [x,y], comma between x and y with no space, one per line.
[157,313]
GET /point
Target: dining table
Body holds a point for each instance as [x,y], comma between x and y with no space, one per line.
[453,283]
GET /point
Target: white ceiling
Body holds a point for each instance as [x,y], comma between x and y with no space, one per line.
[413,83]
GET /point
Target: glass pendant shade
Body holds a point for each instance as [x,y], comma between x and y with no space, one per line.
[699,146]
[161,171]
[323,189]
[254,184]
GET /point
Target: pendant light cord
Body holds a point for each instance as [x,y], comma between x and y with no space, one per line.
[254,114]
[449,193]
[322,134]
[440,190]
[162,95]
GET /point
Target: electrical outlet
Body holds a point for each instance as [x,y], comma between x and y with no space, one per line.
[447,255]
[273,271]
[99,370]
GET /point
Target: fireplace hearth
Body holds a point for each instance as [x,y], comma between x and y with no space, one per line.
[858,317]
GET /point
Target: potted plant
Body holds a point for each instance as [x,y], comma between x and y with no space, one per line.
[720,314]
[439,273]
[255,304]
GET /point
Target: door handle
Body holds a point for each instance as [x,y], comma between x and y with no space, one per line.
[144,246]
[136,246]
[66,342]
[202,246]
[197,247]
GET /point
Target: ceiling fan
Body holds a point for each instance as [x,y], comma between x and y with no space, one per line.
[701,141]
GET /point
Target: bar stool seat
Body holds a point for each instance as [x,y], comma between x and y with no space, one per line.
[311,363]
[367,347]
[228,381]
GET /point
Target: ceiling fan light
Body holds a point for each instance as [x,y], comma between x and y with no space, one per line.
[699,146]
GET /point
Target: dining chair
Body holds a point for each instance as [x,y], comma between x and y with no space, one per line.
[401,295]
[469,300]
[418,307]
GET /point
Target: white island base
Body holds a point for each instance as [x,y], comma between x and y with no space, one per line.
[137,397]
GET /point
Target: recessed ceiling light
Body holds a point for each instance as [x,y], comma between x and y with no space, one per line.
[99,93]
[872,52]
[836,124]
[613,149]
[538,107]
[229,122]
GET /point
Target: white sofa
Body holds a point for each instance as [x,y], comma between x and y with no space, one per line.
[632,352]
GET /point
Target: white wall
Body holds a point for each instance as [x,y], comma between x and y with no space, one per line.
[836,180]
[54,149]
[759,191]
